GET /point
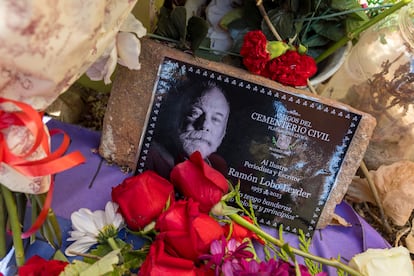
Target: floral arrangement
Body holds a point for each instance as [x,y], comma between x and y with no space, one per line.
[195,233]
[295,38]
[277,60]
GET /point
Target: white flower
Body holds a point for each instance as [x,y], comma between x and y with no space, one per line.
[379,262]
[125,50]
[90,226]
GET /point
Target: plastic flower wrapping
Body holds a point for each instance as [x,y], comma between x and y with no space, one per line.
[45,47]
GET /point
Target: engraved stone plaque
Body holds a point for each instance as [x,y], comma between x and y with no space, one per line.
[293,152]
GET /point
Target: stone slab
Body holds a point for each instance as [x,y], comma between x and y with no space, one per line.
[132,95]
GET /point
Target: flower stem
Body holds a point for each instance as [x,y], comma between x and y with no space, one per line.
[355,33]
[112,243]
[259,4]
[3,219]
[331,262]
[14,224]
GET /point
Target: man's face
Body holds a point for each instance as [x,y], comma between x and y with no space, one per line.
[205,124]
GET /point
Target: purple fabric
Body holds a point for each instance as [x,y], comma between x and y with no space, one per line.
[334,241]
[73,191]
[87,185]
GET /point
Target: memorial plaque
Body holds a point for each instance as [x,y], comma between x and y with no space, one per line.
[286,149]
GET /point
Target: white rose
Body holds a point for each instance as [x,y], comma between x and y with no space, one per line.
[378,262]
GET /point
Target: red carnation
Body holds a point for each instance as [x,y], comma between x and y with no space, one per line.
[292,68]
[36,265]
[254,52]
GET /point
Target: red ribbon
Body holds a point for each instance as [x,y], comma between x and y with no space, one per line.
[52,163]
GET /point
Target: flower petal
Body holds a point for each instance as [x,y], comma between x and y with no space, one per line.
[82,221]
[81,246]
[75,235]
[111,65]
[133,25]
[129,48]
[99,219]
[110,211]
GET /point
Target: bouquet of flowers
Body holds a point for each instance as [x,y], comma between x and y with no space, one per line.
[188,229]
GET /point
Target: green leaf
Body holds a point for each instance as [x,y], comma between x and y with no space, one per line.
[331,31]
[352,24]
[283,21]
[301,6]
[75,268]
[197,30]
[134,259]
[179,20]
[165,28]
[343,5]
[104,265]
[59,256]
[100,251]
[288,251]
[172,23]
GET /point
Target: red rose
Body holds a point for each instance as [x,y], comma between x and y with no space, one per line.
[292,68]
[188,233]
[194,178]
[158,262]
[142,198]
[254,52]
[37,266]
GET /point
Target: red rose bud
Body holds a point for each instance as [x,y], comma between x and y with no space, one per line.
[158,262]
[188,233]
[142,198]
[194,178]
[36,265]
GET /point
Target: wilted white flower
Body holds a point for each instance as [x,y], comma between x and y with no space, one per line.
[92,227]
[379,262]
[125,50]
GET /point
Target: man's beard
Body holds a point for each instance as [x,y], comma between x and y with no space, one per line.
[198,140]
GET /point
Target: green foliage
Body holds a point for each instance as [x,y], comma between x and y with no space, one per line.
[304,245]
[197,30]
[339,271]
[75,268]
[283,22]
[104,266]
[172,23]
[313,23]
[128,258]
